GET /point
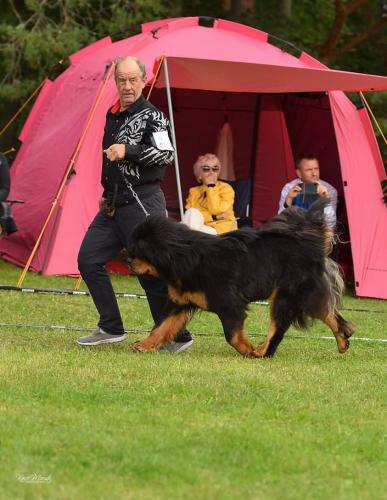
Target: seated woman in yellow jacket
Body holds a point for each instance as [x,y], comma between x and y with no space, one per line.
[210,205]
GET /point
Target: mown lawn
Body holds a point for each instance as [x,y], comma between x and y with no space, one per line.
[104,422]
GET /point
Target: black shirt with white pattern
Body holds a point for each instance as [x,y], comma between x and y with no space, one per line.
[143,162]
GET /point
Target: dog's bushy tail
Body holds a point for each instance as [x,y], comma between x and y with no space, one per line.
[323,295]
[335,285]
[306,226]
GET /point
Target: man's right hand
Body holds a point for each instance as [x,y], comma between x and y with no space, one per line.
[115,152]
[102,203]
[292,194]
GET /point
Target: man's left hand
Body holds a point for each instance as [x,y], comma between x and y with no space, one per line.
[322,191]
[115,152]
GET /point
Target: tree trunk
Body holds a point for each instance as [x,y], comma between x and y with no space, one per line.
[327,50]
[286,8]
[237,8]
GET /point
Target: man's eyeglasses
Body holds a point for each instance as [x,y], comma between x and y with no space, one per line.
[207,168]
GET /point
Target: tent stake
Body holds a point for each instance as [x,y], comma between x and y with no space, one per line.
[78,283]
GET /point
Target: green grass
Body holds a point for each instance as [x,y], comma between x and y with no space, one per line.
[107,423]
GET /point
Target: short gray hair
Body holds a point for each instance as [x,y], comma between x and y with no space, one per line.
[139,63]
[305,157]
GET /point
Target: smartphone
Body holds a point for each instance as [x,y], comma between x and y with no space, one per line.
[308,188]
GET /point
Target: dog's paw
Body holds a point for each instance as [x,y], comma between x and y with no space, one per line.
[140,347]
[255,354]
[342,344]
[259,351]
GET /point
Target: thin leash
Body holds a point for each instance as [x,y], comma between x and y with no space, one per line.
[64,291]
[135,196]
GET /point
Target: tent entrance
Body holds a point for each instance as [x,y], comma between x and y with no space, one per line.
[269,132]
[198,116]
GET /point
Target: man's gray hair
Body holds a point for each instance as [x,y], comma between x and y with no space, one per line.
[139,63]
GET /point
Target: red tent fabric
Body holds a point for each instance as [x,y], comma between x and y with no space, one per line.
[279,106]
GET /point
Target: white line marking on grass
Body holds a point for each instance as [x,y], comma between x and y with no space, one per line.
[203,334]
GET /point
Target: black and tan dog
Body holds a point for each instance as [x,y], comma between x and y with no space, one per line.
[284,261]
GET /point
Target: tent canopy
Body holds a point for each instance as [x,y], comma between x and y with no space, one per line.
[218,71]
[236,76]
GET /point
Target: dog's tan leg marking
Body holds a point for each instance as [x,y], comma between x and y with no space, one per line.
[341,329]
[183,298]
[241,343]
[261,350]
[163,333]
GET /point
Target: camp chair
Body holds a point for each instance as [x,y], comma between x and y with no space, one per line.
[242,189]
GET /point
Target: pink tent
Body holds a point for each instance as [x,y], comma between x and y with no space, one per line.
[279,107]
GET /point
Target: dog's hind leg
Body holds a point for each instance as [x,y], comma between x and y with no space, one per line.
[165,331]
[234,333]
[342,330]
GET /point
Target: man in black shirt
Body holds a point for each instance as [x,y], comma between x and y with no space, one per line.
[7,224]
[4,178]
[136,151]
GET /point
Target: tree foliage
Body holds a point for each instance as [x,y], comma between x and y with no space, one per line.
[36,34]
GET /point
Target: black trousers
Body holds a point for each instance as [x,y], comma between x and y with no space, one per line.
[103,240]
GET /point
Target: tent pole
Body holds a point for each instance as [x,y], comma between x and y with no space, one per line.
[155,77]
[170,109]
[64,180]
[22,107]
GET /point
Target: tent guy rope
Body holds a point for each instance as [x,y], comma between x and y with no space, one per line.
[9,123]
[373,116]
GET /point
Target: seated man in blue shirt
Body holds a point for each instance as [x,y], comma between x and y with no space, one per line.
[293,193]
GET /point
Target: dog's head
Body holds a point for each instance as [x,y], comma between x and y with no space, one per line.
[163,247]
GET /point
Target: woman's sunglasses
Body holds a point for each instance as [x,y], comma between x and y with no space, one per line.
[207,168]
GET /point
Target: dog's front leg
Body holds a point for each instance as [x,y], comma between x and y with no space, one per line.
[235,334]
[166,330]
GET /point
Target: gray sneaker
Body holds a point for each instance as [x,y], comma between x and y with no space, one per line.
[176,347]
[100,337]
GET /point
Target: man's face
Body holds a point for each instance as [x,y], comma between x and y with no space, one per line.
[309,171]
[129,82]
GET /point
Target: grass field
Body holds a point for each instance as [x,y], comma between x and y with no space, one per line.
[103,422]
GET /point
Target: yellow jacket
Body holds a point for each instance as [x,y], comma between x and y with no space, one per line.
[212,201]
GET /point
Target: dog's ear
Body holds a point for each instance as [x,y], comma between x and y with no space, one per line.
[171,247]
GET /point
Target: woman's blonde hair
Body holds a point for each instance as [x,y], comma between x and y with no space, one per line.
[202,160]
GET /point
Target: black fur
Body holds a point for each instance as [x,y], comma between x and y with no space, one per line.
[285,259]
